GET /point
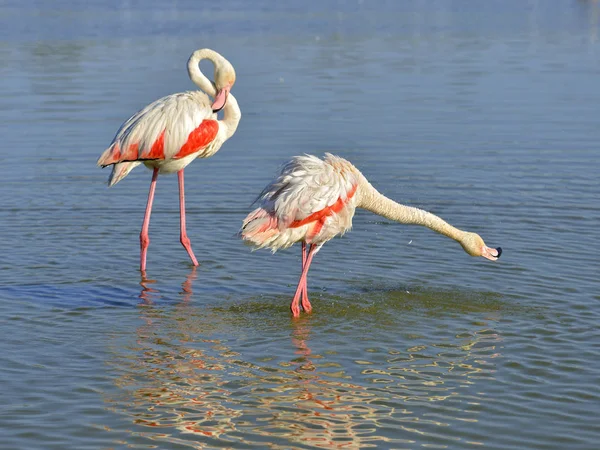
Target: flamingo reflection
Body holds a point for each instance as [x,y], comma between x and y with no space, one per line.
[186,380]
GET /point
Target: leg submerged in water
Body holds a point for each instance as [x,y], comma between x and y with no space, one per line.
[302,289]
[144,238]
[185,241]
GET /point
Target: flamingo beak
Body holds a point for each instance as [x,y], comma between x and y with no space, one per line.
[492,253]
[220,99]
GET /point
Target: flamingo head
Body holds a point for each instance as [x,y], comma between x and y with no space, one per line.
[224,80]
[474,246]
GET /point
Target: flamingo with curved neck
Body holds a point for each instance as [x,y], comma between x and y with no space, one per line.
[219,89]
[313,200]
[171,132]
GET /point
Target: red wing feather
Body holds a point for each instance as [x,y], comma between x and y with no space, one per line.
[157,151]
[199,138]
[114,155]
[325,212]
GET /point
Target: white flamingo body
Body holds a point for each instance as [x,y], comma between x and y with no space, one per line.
[306,185]
[171,132]
[177,116]
[314,200]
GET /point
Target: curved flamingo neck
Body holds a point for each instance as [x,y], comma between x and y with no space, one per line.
[371,200]
[231,116]
[231,111]
[196,74]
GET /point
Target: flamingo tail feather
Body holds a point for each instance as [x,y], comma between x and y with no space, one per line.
[259,227]
[120,171]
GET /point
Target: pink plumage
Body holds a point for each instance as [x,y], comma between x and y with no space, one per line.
[171,132]
[313,200]
[163,133]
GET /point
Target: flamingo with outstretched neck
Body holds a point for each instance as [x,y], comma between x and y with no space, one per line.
[171,132]
[313,200]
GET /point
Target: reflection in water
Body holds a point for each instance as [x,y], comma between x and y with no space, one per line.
[147,291]
[150,295]
[201,377]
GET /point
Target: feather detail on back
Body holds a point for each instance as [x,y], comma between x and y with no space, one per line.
[172,127]
[311,200]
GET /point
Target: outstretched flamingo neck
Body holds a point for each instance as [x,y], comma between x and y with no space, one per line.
[371,200]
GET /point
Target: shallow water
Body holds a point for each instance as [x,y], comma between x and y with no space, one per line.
[484,114]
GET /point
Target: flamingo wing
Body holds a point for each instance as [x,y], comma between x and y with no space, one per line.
[172,127]
[309,189]
[298,204]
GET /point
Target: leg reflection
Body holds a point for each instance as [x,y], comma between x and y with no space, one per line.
[187,285]
[300,337]
[149,295]
[147,292]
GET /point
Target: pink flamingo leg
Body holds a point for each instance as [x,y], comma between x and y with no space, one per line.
[306,306]
[144,238]
[294,306]
[185,241]
[303,253]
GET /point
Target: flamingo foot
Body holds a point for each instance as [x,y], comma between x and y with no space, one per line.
[295,307]
[302,289]
[306,306]
[187,244]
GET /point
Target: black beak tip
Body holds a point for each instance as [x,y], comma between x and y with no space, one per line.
[499,250]
[216,110]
